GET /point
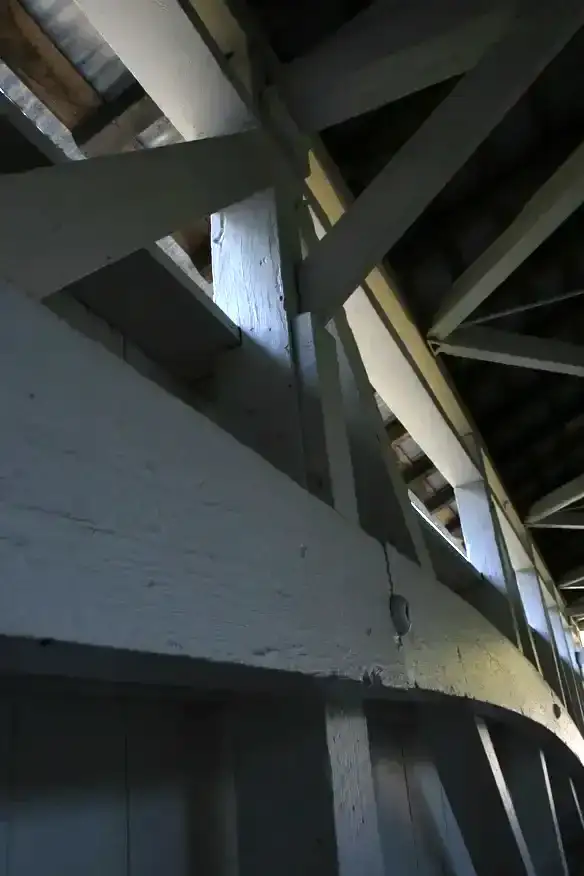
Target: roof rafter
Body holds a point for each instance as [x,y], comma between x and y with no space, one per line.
[509,348]
[551,205]
[557,500]
[387,52]
[562,520]
[423,166]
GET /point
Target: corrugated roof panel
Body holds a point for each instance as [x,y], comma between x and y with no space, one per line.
[70,30]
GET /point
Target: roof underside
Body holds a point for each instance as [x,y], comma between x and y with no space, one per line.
[532,422]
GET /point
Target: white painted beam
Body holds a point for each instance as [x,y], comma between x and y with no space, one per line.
[385,53]
[170,59]
[440,147]
[60,223]
[508,348]
[557,500]
[132,523]
[563,520]
[573,580]
[555,201]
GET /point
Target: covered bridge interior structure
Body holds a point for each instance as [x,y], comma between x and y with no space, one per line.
[291,446]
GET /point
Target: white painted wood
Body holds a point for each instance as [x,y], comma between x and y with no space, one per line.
[385,53]
[509,348]
[128,508]
[551,205]
[277,751]
[357,828]
[68,809]
[85,214]
[176,812]
[255,396]
[558,499]
[562,520]
[440,147]
[130,522]
[575,579]
[188,86]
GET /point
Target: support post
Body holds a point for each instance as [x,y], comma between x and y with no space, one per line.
[573,703]
[538,619]
[487,552]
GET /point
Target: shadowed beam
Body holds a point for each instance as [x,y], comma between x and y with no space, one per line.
[555,201]
[557,500]
[386,52]
[86,214]
[463,751]
[422,167]
[419,468]
[565,520]
[509,348]
[573,580]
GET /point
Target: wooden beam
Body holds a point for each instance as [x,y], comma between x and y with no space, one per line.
[385,53]
[551,205]
[488,819]
[181,543]
[509,348]
[421,168]
[86,214]
[32,56]
[573,579]
[526,773]
[565,520]
[557,500]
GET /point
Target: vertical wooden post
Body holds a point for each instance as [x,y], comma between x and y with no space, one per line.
[255,395]
[573,700]
[537,618]
[488,553]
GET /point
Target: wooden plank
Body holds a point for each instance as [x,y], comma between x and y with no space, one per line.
[179,806]
[33,57]
[69,803]
[277,751]
[385,53]
[552,204]
[85,214]
[356,821]
[508,348]
[526,772]
[177,542]
[420,170]
[482,546]
[501,848]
